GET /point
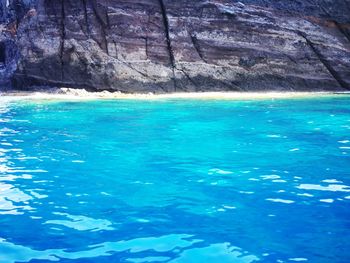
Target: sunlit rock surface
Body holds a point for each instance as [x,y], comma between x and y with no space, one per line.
[166,46]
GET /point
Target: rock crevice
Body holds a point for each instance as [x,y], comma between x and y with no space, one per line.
[327,65]
[168,39]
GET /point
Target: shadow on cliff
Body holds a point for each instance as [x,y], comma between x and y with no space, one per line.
[53,76]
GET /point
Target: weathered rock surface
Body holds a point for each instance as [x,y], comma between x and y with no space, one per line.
[182,45]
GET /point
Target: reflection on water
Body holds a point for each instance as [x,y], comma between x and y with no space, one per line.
[330,187]
[10,196]
[217,253]
[278,200]
[244,184]
[81,223]
[154,245]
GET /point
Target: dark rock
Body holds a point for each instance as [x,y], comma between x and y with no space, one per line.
[183,45]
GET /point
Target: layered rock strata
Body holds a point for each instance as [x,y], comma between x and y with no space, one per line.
[174,46]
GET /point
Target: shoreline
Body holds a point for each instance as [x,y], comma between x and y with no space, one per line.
[81,94]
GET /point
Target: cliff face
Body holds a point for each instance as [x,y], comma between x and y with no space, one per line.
[181,45]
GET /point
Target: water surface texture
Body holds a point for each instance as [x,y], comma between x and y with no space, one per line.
[175,181]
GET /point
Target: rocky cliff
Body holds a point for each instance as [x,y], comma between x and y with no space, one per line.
[176,45]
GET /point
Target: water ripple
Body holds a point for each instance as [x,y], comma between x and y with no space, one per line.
[108,181]
[331,187]
[17,253]
[10,199]
[82,223]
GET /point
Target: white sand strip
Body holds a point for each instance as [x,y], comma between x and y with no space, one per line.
[81,94]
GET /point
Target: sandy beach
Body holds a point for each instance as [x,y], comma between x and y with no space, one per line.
[82,94]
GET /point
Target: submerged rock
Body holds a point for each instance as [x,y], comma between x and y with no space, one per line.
[166,46]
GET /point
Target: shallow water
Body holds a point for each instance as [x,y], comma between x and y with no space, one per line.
[175,181]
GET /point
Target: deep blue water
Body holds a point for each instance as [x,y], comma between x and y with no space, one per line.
[175,181]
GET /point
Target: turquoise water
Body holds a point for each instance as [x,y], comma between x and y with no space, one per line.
[175,181]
